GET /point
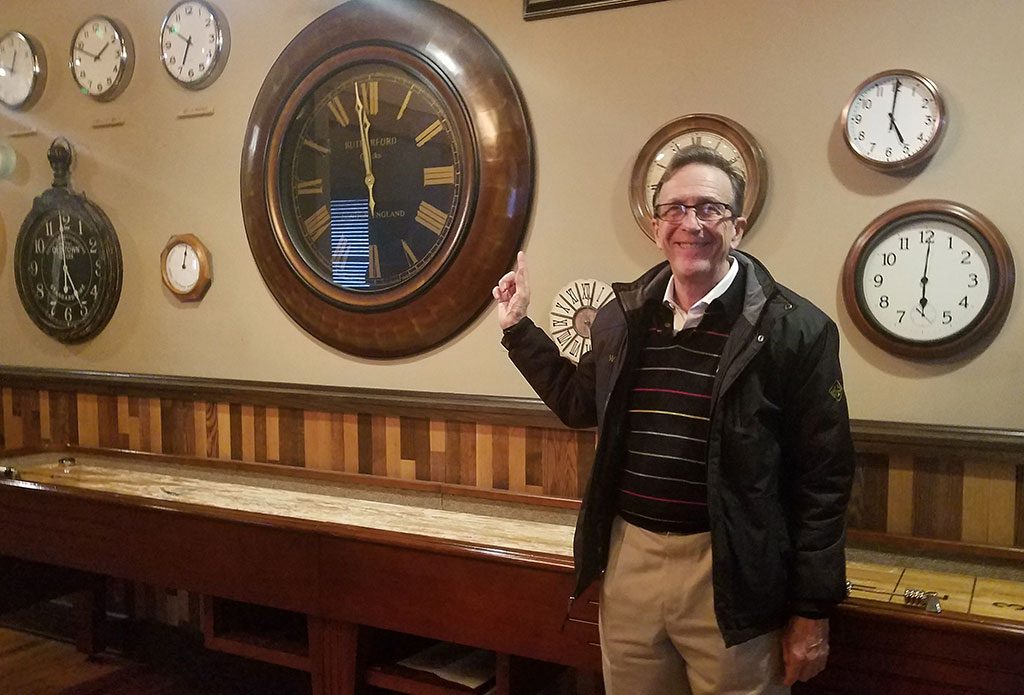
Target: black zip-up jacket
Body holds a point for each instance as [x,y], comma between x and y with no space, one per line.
[780,456]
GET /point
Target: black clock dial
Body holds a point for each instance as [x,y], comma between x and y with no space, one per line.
[370,178]
[67,260]
[67,268]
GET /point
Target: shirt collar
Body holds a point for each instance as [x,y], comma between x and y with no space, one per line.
[689,319]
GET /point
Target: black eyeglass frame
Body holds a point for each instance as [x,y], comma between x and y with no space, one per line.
[685,208]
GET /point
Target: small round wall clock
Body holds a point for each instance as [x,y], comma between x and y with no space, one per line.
[573,312]
[102,58]
[67,259]
[194,43]
[721,134]
[22,70]
[894,120]
[386,176]
[929,279]
[185,267]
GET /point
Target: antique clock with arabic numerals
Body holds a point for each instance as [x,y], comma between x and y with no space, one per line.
[387,176]
[929,279]
[572,314]
[67,260]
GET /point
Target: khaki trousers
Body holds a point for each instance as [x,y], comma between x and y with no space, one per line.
[657,622]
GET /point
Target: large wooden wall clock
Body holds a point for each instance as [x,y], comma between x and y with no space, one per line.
[386,176]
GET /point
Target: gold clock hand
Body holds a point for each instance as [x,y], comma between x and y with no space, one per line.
[364,139]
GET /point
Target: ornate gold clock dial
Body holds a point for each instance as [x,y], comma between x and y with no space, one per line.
[572,313]
[721,134]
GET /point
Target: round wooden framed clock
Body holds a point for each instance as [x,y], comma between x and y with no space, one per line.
[386,176]
[721,134]
[67,259]
[929,279]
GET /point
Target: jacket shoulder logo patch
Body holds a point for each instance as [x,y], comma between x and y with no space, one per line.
[836,391]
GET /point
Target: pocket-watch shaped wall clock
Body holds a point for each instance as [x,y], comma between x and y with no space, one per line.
[723,135]
[572,313]
[194,43]
[102,58]
[386,176]
[67,259]
[929,279]
[22,70]
[185,267]
[894,120]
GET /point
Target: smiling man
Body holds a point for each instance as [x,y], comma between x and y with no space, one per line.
[716,505]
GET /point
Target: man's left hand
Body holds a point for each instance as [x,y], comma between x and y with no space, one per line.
[804,648]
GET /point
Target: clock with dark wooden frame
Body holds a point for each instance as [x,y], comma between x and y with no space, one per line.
[387,176]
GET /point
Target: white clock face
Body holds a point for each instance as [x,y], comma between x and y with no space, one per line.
[573,312]
[181,267]
[193,43]
[694,137]
[894,120]
[101,59]
[19,70]
[925,279]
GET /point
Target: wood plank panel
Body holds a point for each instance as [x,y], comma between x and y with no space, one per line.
[534,456]
[88,420]
[378,445]
[899,512]
[259,417]
[156,433]
[869,497]
[45,434]
[484,445]
[364,441]
[28,405]
[438,445]
[248,421]
[273,435]
[351,428]
[224,431]
[63,417]
[517,459]
[177,426]
[1018,534]
[499,457]
[290,438]
[938,498]
[392,447]
[559,463]
[317,435]
[989,495]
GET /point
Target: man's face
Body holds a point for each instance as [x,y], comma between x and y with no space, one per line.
[698,251]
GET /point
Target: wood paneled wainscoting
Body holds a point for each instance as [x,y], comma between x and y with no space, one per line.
[956,484]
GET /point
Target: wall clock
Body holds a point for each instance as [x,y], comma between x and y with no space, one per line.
[572,313]
[67,260]
[194,43]
[928,279]
[724,135]
[185,267]
[102,58]
[22,70]
[894,120]
[386,176]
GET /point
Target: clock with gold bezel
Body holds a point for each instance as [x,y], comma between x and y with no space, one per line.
[723,135]
[387,176]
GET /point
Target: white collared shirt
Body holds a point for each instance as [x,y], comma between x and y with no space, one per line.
[689,319]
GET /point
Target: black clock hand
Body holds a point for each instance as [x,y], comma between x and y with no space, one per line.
[14,59]
[924,279]
[97,56]
[892,124]
[94,57]
[183,257]
[188,45]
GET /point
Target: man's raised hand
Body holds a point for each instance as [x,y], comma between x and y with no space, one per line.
[513,294]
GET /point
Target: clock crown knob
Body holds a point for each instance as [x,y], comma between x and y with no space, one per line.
[60,155]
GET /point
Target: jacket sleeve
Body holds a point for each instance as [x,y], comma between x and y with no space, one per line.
[820,462]
[567,389]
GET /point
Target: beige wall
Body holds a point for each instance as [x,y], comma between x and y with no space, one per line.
[597,85]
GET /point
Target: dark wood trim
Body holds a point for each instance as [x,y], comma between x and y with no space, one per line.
[877,540]
[869,435]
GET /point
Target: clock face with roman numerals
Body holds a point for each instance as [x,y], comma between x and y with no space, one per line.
[387,176]
[370,180]
[718,133]
[572,313]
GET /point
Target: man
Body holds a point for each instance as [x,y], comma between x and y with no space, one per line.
[724,460]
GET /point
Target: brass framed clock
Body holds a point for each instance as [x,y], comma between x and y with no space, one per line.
[67,259]
[386,176]
[723,135]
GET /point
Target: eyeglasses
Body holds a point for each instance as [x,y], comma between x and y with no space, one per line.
[705,212]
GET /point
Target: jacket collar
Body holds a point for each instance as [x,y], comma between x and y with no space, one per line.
[650,286]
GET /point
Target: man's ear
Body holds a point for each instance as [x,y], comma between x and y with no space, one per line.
[739,227]
[655,224]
